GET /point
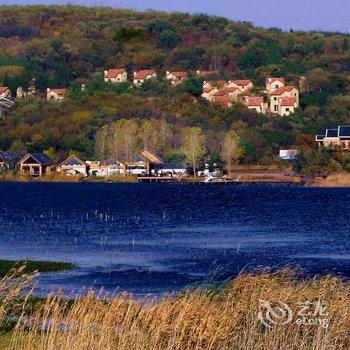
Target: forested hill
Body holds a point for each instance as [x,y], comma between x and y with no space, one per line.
[64,46]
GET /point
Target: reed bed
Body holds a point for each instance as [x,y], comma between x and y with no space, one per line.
[199,319]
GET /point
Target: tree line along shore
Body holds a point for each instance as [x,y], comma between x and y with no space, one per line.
[67,46]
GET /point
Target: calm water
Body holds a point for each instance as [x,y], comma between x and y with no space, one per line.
[152,238]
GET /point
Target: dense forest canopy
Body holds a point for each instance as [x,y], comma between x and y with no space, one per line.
[65,46]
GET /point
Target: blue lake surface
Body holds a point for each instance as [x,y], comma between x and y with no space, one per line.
[156,238]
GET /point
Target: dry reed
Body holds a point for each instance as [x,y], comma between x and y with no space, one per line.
[201,319]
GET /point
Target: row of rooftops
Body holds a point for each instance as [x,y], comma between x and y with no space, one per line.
[14,158]
[342,132]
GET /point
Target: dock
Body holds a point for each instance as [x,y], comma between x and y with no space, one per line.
[169,179]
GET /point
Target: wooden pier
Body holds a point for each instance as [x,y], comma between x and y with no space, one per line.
[169,179]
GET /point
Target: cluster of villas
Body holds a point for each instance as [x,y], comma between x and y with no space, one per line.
[335,138]
[278,97]
[40,164]
[282,99]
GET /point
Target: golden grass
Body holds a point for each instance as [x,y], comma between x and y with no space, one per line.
[332,180]
[218,320]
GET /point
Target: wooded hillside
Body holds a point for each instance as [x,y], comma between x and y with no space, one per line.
[67,46]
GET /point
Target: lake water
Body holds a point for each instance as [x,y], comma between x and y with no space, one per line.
[156,238]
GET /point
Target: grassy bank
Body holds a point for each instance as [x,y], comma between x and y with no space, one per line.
[195,320]
[332,180]
[30,266]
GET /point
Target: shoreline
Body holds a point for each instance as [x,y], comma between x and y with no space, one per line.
[335,180]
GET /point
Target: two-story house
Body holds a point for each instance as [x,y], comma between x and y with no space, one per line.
[115,75]
[278,94]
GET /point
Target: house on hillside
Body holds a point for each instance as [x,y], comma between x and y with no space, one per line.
[5,92]
[209,91]
[223,101]
[273,84]
[9,160]
[35,164]
[284,91]
[255,104]
[21,93]
[116,75]
[230,92]
[339,137]
[55,95]
[242,85]
[73,166]
[210,88]
[287,105]
[176,77]
[142,75]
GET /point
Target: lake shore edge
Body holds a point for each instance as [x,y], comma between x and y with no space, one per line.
[335,180]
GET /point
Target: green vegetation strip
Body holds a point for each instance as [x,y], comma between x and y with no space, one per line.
[31,266]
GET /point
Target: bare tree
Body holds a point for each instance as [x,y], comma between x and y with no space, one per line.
[122,139]
[101,142]
[193,146]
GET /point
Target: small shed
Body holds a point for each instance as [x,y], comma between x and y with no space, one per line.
[35,164]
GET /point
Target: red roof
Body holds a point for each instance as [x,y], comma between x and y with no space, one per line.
[113,73]
[225,91]
[207,89]
[143,74]
[221,92]
[287,101]
[242,82]
[282,90]
[231,89]
[179,74]
[60,92]
[254,101]
[224,101]
[3,89]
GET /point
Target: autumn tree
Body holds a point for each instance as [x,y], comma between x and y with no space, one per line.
[193,145]
[101,143]
[122,138]
[231,149]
